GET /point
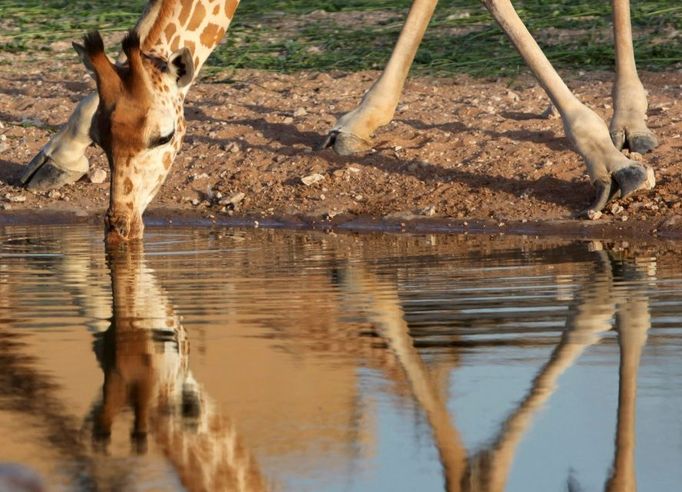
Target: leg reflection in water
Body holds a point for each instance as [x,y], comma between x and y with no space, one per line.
[145,359]
[607,293]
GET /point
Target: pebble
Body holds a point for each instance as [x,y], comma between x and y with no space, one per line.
[97,176]
[232,147]
[616,209]
[15,198]
[236,198]
[311,179]
[300,112]
[592,215]
[288,120]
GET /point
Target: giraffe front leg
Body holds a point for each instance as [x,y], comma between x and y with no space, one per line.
[62,160]
[611,173]
[353,131]
[628,126]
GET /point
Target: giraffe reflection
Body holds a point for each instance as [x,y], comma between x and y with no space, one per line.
[145,358]
[604,296]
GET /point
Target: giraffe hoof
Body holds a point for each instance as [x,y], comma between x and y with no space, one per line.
[43,175]
[345,143]
[640,142]
[633,178]
[605,192]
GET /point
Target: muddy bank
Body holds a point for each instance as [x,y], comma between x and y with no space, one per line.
[462,154]
[669,228]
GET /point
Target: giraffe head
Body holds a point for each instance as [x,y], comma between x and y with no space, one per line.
[139,123]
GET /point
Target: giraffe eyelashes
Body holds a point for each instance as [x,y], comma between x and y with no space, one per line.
[163,140]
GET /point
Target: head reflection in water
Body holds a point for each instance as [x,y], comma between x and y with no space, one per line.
[144,355]
[607,294]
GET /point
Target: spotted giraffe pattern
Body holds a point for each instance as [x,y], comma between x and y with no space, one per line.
[142,100]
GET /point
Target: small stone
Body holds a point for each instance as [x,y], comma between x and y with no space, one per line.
[233,199]
[513,96]
[97,176]
[54,194]
[195,201]
[429,211]
[288,120]
[550,113]
[624,218]
[15,198]
[232,147]
[312,179]
[616,209]
[300,112]
[594,214]
[3,146]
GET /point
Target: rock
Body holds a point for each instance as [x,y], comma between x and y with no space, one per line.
[288,120]
[232,147]
[15,198]
[3,146]
[236,198]
[513,96]
[300,112]
[550,113]
[195,201]
[594,215]
[429,211]
[97,176]
[616,209]
[312,179]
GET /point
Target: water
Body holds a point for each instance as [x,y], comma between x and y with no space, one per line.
[270,360]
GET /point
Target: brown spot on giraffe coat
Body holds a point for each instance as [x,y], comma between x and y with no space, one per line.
[197,17]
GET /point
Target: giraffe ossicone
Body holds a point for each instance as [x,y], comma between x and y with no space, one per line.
[138,116]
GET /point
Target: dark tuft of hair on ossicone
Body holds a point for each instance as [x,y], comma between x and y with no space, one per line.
[93,44]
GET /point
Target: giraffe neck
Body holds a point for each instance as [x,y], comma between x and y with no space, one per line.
[198,25]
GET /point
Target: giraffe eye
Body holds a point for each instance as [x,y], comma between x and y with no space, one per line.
[163,140]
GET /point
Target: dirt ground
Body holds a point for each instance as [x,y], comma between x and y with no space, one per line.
[460,153]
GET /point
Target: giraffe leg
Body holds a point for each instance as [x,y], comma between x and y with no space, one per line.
[628,125]
[353,131]
[62,161]
[610,171]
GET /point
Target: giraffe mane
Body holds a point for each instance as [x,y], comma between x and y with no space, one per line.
[165,10]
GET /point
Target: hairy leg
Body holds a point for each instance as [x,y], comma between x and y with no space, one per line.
[628,125]
[353,131]
[62,161]
[610,171]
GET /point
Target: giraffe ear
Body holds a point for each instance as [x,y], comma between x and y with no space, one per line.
[181,65]
[85,58]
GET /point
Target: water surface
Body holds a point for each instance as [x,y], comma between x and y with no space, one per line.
[271,360]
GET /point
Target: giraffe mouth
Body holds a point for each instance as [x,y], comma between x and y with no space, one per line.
[121,227]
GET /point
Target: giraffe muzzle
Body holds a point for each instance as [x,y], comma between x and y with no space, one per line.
[118,227]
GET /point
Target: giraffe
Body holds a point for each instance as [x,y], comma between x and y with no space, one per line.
[136,115]
[144,355]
